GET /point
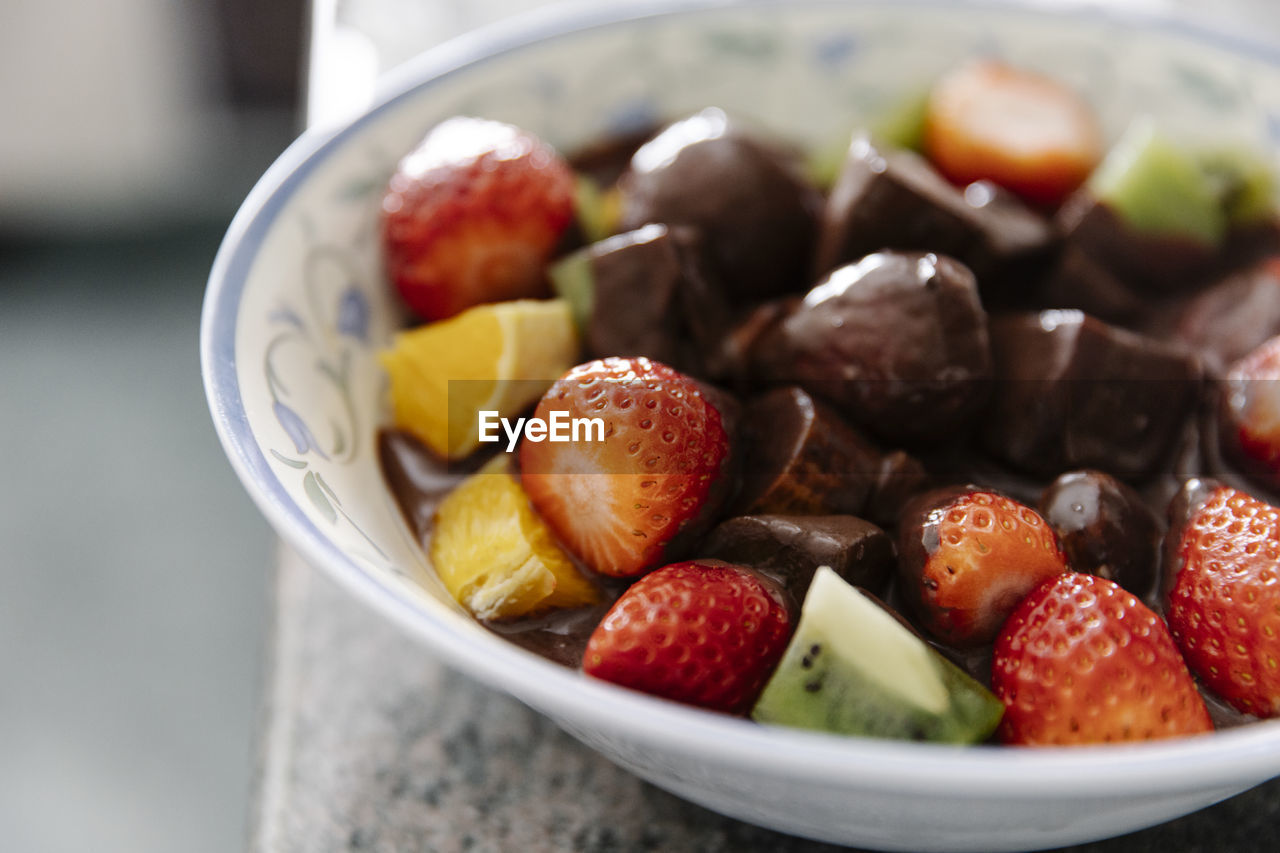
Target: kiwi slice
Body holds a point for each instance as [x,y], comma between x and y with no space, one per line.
[1159,187]
[572,280]
[1244,181]
[853,668]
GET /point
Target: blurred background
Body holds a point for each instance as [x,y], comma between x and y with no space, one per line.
[134,582]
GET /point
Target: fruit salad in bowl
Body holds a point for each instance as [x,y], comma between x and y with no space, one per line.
[863,432]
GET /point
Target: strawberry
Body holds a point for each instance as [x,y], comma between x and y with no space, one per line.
[472,214]
[967,557]
[706,633]
[1250,413]
[1021,130]
[1224,600]
[1081,660]
[627,503]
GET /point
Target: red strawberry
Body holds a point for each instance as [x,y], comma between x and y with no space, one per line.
[706,633]
[1224,604]
[1083,661]
[624,504]
[967,557]
[1026,132]
[472,214]
[1251,413]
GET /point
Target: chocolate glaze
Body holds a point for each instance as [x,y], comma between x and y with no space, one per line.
[886,199]
[801,458]
[756,213]
[1154,263]
[898,342]
[652,297]
[1073,392]
[792,547]
[1104,528]
[1231,317]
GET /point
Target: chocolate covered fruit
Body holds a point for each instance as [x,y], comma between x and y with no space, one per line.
[929,379]
[853,668]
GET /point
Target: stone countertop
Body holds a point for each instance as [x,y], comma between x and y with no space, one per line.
[369,743]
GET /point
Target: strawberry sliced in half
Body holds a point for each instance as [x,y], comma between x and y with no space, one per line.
[626,503]
[472,215]
[1024,131]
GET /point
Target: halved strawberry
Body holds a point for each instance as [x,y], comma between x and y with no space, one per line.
[966,557]
[626,503]
[706,633]
[472,214]
[1250,413]
[1224,599]
[1021,130]
[1083,661]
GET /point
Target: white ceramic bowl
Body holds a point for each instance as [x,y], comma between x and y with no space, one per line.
[297,309]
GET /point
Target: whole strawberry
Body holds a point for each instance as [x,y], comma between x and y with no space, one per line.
[967,557]
[472,214]
[1083,661]
[1224,601]
[705,633]
[1250,413]
[647,483]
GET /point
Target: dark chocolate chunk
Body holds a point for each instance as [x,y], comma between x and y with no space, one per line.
[756,213]
[793,547]
[1078,281]
[1073,392]
[800,458]
[897,200]
[1226,321]
[652,297]
[898,342]
[901,477]
[1105,528]
[1155,263]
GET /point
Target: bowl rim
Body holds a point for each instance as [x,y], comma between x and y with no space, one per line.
[1238,756]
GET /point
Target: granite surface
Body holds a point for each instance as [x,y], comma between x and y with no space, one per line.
[368,743]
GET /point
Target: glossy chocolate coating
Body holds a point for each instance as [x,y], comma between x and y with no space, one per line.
[1155,263]
[1227,320]
[898,342]
[756,213]
[1105,528]
[901,477]
[793,547]
[1193,495]
[652,297]
[897,200]
[1073,392]
[1077,280]
[800,458]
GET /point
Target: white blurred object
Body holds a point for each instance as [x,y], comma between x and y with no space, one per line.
[109,117]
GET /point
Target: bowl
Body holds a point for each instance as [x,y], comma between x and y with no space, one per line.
[297,310]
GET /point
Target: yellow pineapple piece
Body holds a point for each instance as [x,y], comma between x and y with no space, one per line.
[500,357]
[496,556]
